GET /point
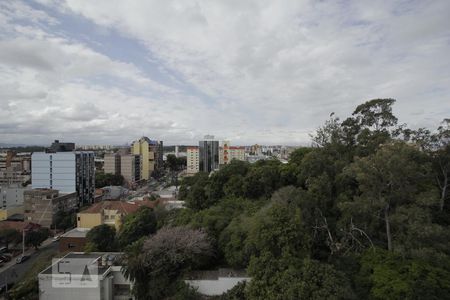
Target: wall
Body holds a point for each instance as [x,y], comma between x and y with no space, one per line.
[6,213]
[78,244]
[85,220]
[215,287]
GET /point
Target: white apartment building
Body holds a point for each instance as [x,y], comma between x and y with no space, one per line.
[86,276]
[66,172]
[193,160]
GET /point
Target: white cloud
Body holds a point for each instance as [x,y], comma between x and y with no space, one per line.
[271,71]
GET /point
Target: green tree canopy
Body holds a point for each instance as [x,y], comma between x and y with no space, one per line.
[101,238]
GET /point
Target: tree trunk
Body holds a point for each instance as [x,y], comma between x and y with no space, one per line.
[388,227]
[443,193]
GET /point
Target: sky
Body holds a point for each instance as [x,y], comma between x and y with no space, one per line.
[248,71]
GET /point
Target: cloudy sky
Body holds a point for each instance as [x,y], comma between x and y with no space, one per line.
[107,72]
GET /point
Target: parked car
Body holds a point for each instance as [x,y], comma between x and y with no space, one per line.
[5,257]
[56,238]
[21,259]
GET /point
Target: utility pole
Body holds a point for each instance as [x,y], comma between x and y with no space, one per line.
[23,242]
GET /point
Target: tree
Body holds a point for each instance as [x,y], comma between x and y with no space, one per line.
[172,162]
[101,238]
[10,235]
[389,275]
[102,180]
[293,278]
[36,237]
[387,180]
[137,225]
[64,220]
[157,265]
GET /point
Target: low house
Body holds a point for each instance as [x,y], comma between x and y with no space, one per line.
[19,225]
[108,212]
[216,282]
[73,240]
[79,275]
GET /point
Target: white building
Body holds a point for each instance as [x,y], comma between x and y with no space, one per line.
[217,282]
[66,172]
[11,195]
[85,276]
[193,160]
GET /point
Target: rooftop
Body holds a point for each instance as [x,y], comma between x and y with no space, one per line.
[76,233]
[121,206]
[18,225]
[75,263]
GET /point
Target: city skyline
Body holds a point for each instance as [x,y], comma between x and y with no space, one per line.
[249,71]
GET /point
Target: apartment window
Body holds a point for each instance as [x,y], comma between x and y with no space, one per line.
[70,245]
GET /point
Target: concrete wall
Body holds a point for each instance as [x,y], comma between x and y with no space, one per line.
[215,287]
[11,195]
[85,220]
[7,212]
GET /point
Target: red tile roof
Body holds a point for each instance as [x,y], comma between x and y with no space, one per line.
[121,206]
[18,225]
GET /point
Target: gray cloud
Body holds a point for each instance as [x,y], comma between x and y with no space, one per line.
[270,71]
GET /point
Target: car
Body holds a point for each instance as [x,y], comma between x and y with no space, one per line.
[5,257]
[56,238]
[22,258]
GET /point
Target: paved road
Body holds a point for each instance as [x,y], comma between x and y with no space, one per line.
[16,271]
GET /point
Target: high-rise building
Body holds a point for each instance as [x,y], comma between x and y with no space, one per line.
[112,163]
[131,167]
[209,154]
[67,172]
[152,156]
[192,160]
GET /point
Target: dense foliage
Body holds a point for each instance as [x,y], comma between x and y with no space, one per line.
[362,214]
[102,180]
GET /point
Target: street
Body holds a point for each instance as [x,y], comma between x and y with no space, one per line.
[15,272]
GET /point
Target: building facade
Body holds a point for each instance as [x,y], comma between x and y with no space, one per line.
[151,153]
[209,154]
[131,167]
[42,205]
[62,147]
[79,275]
[66,172]
[107,212]
[112,163]
[192,160]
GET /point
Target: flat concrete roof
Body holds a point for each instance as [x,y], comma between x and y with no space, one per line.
[76,233]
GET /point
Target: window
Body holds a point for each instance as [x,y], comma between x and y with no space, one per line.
[70,245]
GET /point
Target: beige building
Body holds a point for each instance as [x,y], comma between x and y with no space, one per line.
[193,160]
[151,153]
[130,167]
[107,212]
[7,212]
[111,163]
[41,205]
[227,153]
